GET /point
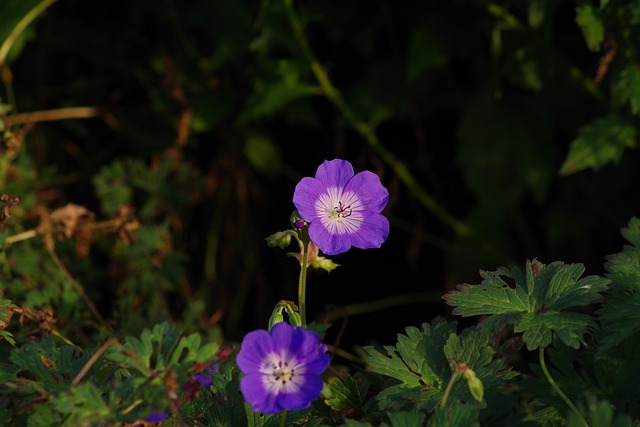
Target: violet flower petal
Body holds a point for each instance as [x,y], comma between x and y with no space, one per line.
[334,173]
[343,209]
[282,368]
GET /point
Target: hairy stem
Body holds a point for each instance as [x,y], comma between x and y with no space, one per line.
[557,389]
[366,131]
[302,285]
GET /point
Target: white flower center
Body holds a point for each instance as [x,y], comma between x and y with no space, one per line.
[281,373]
[339,211]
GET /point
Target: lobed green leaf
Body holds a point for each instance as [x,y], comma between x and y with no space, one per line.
[599,143]
[535,303]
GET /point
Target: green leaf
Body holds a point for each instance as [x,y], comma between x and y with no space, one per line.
[600,414]
[281,85]
[620,317]
[620,313]
[263,154]
[347,393]
[416,363]
[492,296]
[591,26]
[539,328]
[534,302]
[471,348]
[6,312]
[455,415]
[423,361]
[623,268]
[412,418]
[81,404]
[598,144]
[627,87]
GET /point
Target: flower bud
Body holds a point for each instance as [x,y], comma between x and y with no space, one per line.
[295,319]
[296,220]
[324,263]
[475,385]
[276,317]
[281,239]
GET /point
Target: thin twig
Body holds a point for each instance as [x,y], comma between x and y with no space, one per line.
[52,115]
[25,235]
[92,360]
[77,287]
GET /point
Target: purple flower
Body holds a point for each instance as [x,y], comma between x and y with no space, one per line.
[204,377]
[154,417]
[343,209]
[281,368]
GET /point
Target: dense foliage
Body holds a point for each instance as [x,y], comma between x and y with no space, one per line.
[147,149]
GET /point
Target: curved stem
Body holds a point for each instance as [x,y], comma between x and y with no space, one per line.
[447,391]
[302,285]
[283,418]
[20,27]
[366,130]
[557,389]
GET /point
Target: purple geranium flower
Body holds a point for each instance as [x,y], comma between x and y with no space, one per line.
[281,368]
[343,209]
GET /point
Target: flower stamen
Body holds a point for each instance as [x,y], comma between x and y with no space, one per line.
[282,373]
[343,211]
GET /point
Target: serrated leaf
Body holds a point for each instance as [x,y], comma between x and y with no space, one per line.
[6,313]
[492,296]
[81,404]
[627,87]
[150,349]
[620,317]
[591,26]
[539,328]
[535,301]
[620,313]
[412,418]
[598,144]
[472,350]
[455,415]
[623,268]
[346,393]
[417,364]
[632,232]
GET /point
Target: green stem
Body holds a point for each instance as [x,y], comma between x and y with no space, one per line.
[283,418]
[555,386]
[20,27]
[366,130]
[447,391]
[302,285]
